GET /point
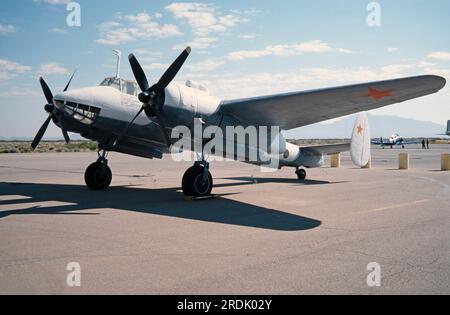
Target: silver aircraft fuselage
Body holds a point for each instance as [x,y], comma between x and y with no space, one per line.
[102,113]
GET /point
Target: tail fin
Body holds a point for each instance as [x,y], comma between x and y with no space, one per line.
[360,148]
[448,128]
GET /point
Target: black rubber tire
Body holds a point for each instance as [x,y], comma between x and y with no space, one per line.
[301,174]
[98,176]
[191,183]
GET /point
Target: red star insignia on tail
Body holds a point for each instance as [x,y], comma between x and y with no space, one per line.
[360,129]
[377,95]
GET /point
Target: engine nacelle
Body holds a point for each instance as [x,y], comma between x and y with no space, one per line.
[296,156]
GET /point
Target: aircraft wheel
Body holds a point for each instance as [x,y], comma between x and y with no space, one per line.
[301,174]
[98,176]
[193,183]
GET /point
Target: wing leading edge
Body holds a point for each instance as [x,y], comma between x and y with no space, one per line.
[299,109]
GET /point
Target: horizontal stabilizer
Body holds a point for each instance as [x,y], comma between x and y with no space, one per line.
[328,149]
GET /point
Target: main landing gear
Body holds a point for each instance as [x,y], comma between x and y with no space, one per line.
[301,174]
[197,181]
[98,175]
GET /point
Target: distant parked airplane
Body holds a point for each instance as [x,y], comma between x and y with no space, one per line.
[395,139]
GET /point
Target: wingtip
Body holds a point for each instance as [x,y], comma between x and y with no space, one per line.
[188,49]
[131,56]
[442,81]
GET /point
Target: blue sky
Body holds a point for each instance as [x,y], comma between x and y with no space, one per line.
[240,48]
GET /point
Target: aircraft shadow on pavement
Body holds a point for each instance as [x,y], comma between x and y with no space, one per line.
[257,180]
[166,202]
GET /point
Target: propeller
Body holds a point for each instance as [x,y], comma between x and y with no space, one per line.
[152,98]
[50,109]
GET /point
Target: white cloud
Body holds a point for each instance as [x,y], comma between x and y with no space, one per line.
[57,30]
[10,69]
[199,43]
[21,91]
[249,36]
[393,49]
[57,1]
[208,64]
[245,54]
[230,86]
[54,2]
[203,18]
[134,27]
[345,51]
[155,66]
[7,29]
[440,55]
[52,68]
[426,64]
[314,46]
[397,69]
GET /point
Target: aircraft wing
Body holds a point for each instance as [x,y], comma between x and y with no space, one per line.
[293,110]
[377,142]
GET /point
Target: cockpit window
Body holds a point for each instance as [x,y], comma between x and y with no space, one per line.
[83,113]
[124,86]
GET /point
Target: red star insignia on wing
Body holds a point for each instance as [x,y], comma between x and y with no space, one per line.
[377,95]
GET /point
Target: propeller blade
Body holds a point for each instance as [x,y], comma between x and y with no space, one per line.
[139,73]
[47,92]
[162,124]
[41,133]
[129,125]
[173,70]
[70,81]
[64,132]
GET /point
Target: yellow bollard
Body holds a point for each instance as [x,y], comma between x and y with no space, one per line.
[336,161]
[368,165]
[403,161]
[445,165]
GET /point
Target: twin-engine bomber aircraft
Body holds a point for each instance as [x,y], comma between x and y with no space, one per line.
[107,115]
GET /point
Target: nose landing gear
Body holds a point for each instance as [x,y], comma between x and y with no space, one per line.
[197,181]
[98,175]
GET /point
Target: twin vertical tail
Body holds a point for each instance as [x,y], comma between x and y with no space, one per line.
[361,142]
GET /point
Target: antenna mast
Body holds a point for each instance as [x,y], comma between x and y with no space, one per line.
[118,54]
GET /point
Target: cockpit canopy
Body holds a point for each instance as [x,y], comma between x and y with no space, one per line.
[128,87]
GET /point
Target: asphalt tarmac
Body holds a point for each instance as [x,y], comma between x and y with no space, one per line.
[265,233]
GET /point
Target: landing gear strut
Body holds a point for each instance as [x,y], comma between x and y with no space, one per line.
[197,181]
[301,174]
[98,175]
